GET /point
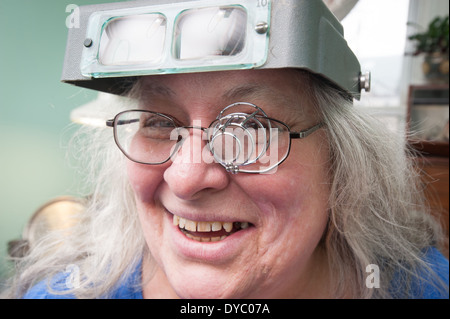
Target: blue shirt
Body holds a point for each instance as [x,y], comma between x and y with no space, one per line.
[130,288]
[426,286]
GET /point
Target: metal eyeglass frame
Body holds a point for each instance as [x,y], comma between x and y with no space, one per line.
[230,167]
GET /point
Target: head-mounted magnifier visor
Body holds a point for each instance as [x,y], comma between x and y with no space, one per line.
[117,42]
[176,38]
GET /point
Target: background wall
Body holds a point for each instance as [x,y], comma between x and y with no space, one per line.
[34,111]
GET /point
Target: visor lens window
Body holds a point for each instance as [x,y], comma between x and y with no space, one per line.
[133,40]
[210,32]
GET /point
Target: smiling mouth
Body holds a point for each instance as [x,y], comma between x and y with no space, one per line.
[208,231]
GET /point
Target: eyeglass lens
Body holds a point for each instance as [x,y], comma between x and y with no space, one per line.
[248,142]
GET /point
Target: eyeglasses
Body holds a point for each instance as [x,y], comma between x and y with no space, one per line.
[246,141]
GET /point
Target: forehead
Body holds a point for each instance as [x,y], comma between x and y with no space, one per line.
[282,89]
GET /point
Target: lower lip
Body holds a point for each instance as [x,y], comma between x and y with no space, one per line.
[210,252]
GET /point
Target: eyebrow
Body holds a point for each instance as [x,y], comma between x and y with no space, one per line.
[251,92]
[155,89]
[246,91]
[240,93]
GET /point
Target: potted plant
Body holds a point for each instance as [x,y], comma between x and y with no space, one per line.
[433,43]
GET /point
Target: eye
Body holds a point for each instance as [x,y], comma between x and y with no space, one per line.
[156,126]
[157,121]
[252,124]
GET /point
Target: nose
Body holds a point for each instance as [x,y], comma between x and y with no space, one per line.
[193,170]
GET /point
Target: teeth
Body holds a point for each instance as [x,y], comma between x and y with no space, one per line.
[182,222]
[176,220]
[206,227]
[205,239]
[190,225]
[216,226]
[228,227]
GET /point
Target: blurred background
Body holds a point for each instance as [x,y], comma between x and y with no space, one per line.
[35,126]
[35,111]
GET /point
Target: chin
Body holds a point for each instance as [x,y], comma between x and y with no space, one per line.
[202,282]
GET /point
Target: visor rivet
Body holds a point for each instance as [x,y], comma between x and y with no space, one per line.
[262,27]
[88,43]
[365,82]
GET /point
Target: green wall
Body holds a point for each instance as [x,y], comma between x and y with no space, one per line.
[34,112]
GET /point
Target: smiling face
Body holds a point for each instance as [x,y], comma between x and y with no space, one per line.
[218,235]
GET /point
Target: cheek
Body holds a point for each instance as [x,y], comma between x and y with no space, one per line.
[144,179]
[301,183]
[294,201]
[311,161]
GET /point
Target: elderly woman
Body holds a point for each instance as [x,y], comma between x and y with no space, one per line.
[237,166]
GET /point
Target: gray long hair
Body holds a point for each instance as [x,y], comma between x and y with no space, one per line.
[377,212]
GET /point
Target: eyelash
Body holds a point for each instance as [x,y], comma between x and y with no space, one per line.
[151,121]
